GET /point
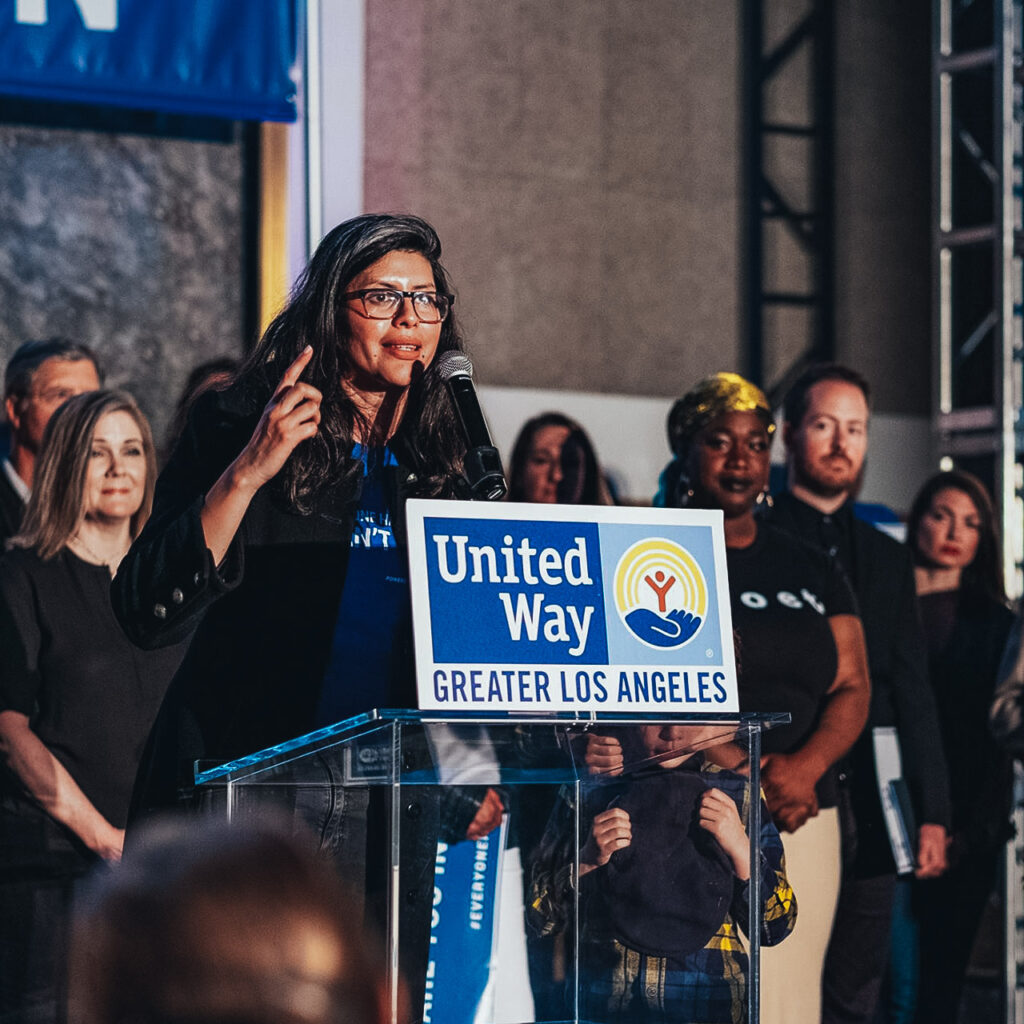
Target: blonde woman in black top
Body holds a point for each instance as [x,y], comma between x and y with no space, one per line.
[77,699]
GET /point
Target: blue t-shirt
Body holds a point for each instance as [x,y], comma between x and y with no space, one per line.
[375,605]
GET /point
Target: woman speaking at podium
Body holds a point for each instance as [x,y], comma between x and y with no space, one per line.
[277,533]
[277,527]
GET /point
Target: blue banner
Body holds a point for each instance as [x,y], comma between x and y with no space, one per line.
[467,877]
[215,58]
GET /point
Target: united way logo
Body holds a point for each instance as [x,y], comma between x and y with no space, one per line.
[660,593]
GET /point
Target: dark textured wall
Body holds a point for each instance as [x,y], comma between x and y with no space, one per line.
[130,243]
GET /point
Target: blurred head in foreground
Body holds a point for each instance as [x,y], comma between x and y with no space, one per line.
[207,923]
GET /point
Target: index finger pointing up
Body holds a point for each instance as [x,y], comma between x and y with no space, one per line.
[292,374]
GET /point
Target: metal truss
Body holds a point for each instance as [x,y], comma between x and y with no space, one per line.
[977,268]
[977,251]
[794,75]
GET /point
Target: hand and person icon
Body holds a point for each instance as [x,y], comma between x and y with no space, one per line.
[663,628]
[661,586]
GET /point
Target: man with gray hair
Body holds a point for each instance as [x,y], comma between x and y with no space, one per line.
[40,377]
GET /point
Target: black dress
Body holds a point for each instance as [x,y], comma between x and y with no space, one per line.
[91,697]
[966,636]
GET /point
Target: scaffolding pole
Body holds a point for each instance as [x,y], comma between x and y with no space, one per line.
[977,236]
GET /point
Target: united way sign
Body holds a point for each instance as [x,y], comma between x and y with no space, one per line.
[224,58]
[570,608]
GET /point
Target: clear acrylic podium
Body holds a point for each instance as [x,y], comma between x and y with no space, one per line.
[523,868]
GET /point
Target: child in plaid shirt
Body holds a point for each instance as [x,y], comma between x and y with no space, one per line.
[664,882]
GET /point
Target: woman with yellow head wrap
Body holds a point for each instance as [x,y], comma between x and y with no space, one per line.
[722,399]
[712,397]
[800,649]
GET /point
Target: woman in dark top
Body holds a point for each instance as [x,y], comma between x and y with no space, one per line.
[954,538]
[800,648]
[77,699]
[278,536]
[277,531]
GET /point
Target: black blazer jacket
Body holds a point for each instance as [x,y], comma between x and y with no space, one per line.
[261,623]
[883,579]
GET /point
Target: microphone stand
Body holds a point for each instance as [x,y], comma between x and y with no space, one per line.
[482,468]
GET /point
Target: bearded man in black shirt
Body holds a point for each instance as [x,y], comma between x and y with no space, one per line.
[825,431]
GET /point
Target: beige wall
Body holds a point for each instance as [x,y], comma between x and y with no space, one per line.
[580,162]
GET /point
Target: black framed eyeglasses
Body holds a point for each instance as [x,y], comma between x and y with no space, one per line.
[384,303]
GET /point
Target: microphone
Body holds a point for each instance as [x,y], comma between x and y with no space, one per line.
[482,463]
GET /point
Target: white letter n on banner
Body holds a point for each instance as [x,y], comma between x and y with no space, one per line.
[97,15]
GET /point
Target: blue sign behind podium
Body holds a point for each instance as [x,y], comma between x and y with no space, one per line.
[546,607]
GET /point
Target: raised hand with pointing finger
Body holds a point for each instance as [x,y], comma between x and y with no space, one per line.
[290,417]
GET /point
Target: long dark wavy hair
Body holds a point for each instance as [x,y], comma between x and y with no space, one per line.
[984,576]
[315,315]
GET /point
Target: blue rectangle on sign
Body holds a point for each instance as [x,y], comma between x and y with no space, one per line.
[516,592]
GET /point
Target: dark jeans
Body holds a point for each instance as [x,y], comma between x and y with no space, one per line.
[858,950]
[948,911]
[351,823]
[41,862]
